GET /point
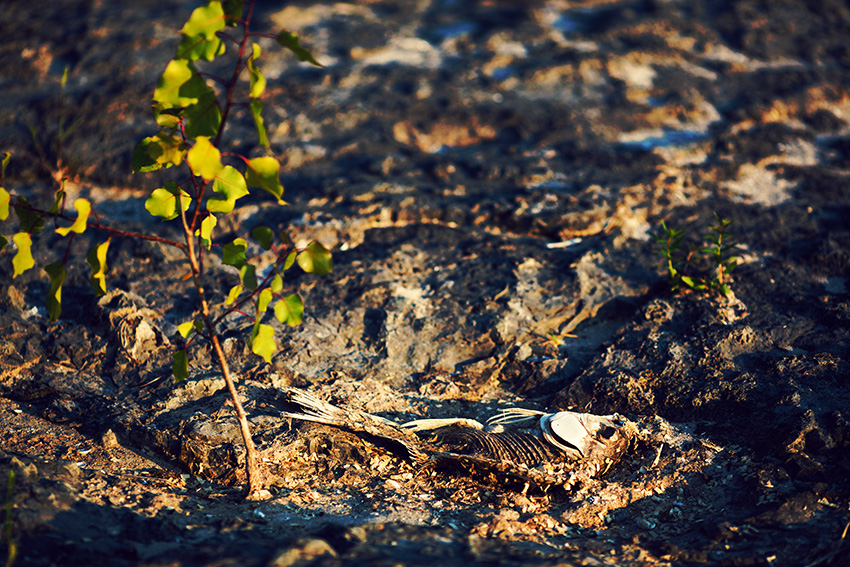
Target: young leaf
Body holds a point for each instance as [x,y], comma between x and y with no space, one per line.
[234,293]
[3,163]
[289,310]
[23,260]
[155,152]
[233,253]
[248,277]
[166,118]
[31,221]
[257,113]
[315,259]
[180,367]
[258,81]
[263,301]
[276,284]
[291,42]
[290,259]
[163,202]
[233,11]
[185,329]
[5,199]
[205,20]
[199,47]
[263,235]
[264,172]
[204,117]
[97,260]
[56,272]
[205,232]
[262,342]
[58,199]
[83,209]
[177,73]
[199,33]
[204,159]
[230,184]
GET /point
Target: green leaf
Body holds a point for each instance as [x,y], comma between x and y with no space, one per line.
[180,367]
[97,260]
[289,310]
[257,113]
[183,92]
[233,11]
[230,184]
[185,329]
[177,73]
[205,232]
[277,284]
[3,242]
[263,301]
[204,117]
[163,202]
[205,20]
[166,118]
[248,277]
[290,259]
[31,221]
[58,200]
[23,260]
[258,81]
[291,42]
[56,272]
[5,199]
[3,163]
[315,259]
[263,235]
[199,33]
[233,253]
[199,47]
[264,172]
[204,159]
[262,342]
[155,152]
[234,293]
[83,209]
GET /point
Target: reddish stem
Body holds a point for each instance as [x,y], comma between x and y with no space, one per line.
[97,225]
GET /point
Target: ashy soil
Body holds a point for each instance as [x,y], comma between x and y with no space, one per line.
[488,175]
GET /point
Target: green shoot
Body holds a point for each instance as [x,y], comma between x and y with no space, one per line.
[677,261]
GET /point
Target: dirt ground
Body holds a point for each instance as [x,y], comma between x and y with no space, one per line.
[488,175]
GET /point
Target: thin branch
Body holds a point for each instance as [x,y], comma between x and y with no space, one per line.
[227,36]
[246,23]
[252,468]
[97,225]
